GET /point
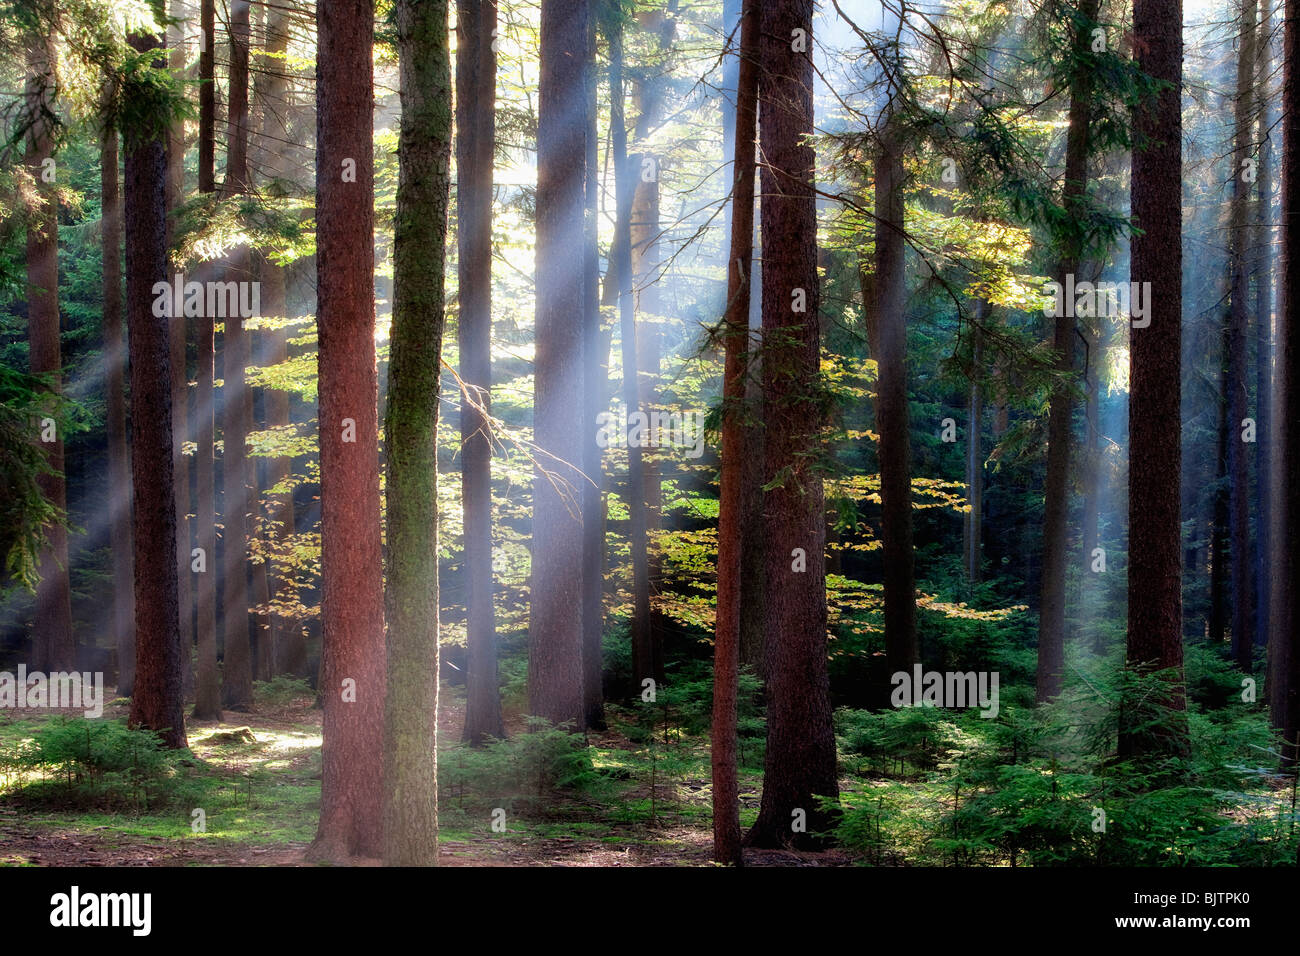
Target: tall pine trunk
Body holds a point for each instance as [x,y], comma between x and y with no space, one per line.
[892,419]
[207,685]
[1056,504]
[156,703]
[1155,553]
[1219,559]
[119,458]
[627,173]
[1283,653]
[207,96]
[973,522]
[1262,265]
[800,765]
[236,475]
[175,195]
[53,644]
[595,399]
[476,65]
[1242,567]
[731,541]
[272,88]
[352,609]
[644,230]
[555,674]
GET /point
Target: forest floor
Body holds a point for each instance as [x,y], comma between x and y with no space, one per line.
[257,783]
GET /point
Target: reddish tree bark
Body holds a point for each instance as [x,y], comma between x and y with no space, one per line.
[352,613]
[53,644]
[174,196]
[800,765]
[726,645]
[157,702]
[1155,551]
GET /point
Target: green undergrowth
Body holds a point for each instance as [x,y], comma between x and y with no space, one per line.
[262,787]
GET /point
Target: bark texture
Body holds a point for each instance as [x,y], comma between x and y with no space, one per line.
[800,767]
[352,612]
[1155,554]
[156,703]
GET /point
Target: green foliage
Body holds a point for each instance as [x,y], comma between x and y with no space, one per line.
[24,511]
[526,770]
[892,740]
[98,763]
[282,690]
[1042,786]
[149,99]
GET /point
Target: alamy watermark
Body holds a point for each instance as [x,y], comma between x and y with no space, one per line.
[218,300]
[652,430]
[59,689]
[953,689]
[75,909]
[1100,299]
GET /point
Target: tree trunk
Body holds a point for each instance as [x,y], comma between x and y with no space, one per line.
[175,195]
[53,644]
[1056,503]
[1219,560]
[1243,641]
[156,703]
[352,611]
[207,687]
[753,562]
[974,457]
[119,458]
[731,543]
[207,97]
[411,434]
[648,97]
[892,424]
[595,398]
[1155,559]
[1283,653]
[275,511]
[1094,482]
[476,65]
[800,762]
[237,667]
[555,674]
[1097,345]
[627,172]
[1262,263]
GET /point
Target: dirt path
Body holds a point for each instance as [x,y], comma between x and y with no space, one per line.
[28,844]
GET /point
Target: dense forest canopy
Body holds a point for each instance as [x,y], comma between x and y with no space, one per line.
[728,427]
